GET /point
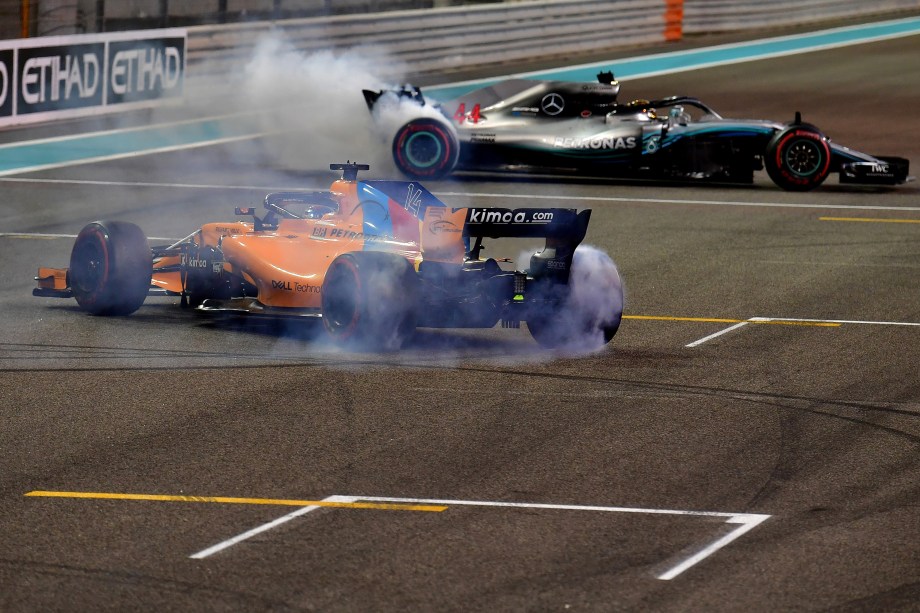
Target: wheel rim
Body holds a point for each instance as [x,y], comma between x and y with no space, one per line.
[423,149]
[340,301]
[92,270]
[804,158]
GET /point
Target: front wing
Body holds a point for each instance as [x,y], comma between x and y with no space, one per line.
[883,171]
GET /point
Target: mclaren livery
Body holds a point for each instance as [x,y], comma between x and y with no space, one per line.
[555,126]
[372,259]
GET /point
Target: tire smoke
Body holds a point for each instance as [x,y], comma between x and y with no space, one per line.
[391,112]
[596,293]
[313,106]
[590,315]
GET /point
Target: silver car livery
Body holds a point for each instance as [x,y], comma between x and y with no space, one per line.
[522,125]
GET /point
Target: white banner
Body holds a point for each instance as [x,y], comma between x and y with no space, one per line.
[56,77]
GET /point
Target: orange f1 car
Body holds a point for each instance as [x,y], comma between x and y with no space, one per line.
[373,259]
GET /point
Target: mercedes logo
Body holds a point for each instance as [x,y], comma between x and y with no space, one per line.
[552,104]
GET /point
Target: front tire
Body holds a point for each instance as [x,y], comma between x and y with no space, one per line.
[425,149]
[369,300]
[110,268]
[798,158]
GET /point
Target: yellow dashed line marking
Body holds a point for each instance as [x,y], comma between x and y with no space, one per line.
[383,506]
[869,219]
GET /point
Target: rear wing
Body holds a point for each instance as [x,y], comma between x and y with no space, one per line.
[563,229]
[568,225]
[410,92]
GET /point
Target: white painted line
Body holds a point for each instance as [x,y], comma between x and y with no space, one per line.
[699,342]
[748,521]
[126,130]
[540,505]
[726,62]
[259,188]
[204,553]
[780,205]
[28,235]
[34,235]
[766,56]
[840,321]
[132,154]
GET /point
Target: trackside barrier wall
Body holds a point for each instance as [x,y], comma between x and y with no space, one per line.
[437,41]
[711,16]
[57,77]
[441,41]
[67,76]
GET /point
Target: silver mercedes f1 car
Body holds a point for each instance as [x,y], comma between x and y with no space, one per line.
[522,125]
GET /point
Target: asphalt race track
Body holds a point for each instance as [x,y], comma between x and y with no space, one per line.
[749,441]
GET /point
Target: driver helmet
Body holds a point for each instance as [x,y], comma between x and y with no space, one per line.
[677,115]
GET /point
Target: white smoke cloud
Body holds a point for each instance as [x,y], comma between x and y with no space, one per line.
[313,104]
[593,308]
[596,292]
[392,111]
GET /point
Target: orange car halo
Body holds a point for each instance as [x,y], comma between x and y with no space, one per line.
[374,259]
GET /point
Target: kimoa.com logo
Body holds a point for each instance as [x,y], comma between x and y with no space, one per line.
[508,216]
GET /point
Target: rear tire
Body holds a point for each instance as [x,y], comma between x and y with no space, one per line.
[588,314]
[798,158]
[425,149]
[369,300]
[110,268]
